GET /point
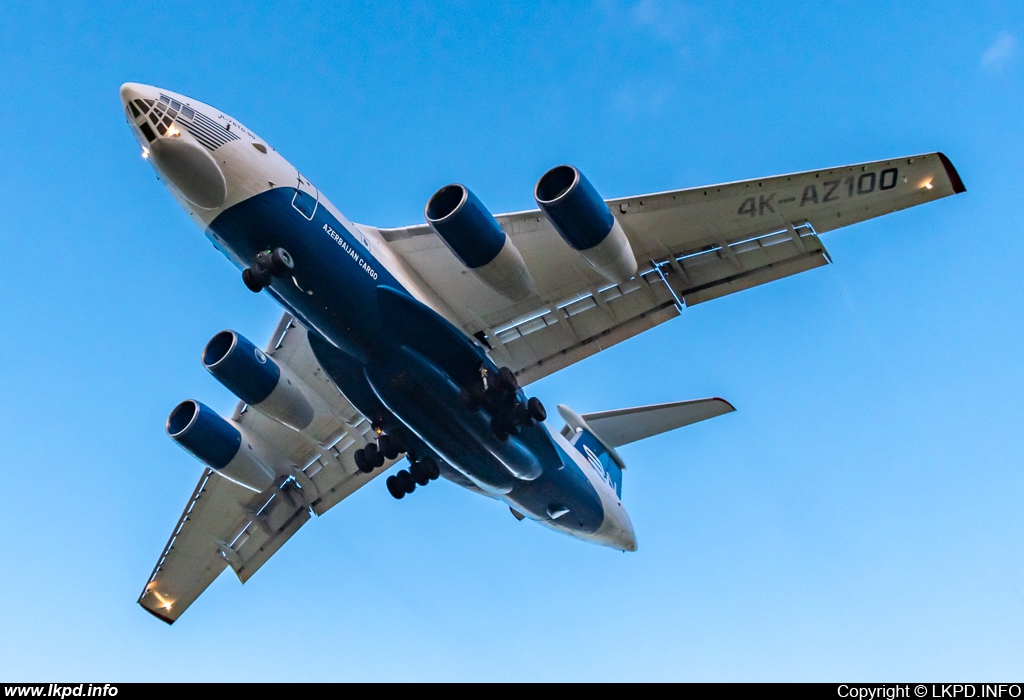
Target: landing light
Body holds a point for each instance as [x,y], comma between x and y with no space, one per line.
[173,131]
[145,153]
[928,185]
[164,602]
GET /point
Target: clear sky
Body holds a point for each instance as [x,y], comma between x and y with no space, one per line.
[859,516]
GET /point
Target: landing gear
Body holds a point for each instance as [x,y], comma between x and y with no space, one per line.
[499,393]
[268,265]
[388,446]
[373,455]
[421,472]
[424,471]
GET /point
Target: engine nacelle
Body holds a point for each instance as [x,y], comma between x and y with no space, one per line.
[475,238]
[583,220]
[270,388]
[219,444]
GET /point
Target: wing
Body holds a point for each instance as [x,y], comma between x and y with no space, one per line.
[692,245]
[226,525]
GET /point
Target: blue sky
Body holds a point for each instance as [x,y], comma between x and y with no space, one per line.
[857,518]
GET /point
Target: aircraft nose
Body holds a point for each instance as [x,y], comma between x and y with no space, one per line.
[136,91]
[181,160]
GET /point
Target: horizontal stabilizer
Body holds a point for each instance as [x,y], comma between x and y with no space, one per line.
[626,425]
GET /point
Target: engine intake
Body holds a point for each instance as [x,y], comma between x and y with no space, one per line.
[219,444]
[583,220]
[476,239]
[254,377]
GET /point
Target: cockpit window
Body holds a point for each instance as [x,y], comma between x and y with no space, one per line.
[211,134]
[143,107]
[147,132]
[135,110]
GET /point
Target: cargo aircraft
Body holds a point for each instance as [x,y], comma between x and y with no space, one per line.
[416,343]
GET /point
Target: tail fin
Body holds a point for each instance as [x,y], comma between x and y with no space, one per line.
[596,435]
[601,456]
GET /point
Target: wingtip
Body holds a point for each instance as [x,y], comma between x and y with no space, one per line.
[721,400]
[157,615]
[952,174]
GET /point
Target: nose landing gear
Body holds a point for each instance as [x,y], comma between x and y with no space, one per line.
[268,265]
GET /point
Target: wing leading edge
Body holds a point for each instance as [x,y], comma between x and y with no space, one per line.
[226,525]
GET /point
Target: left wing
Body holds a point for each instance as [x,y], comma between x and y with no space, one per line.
[692,245]
[225,524]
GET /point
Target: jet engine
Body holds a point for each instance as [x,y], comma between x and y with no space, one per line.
[583,220]
[270,388]
[475,238]
[219,444]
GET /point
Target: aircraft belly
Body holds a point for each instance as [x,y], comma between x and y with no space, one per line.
[363,323]
[427,400]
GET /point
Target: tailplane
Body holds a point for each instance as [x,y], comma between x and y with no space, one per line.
[596,435]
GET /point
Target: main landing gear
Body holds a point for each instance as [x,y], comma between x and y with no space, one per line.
[421,472]
[373,455]
[269,264]
[500,395]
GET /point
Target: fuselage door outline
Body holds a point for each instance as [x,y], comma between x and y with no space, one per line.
[306,199]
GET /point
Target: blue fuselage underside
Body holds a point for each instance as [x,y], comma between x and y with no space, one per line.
[366,331]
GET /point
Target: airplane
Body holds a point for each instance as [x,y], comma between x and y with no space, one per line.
[417,342]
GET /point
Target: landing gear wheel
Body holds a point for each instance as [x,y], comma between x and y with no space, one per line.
[521,415]
[430,466]
[418,472]
[507,380]
[394,489]
[404,481]
[373,456]
[361,463]
[387,446]
[536,410]
[281,262]
[499,429]
[254,280]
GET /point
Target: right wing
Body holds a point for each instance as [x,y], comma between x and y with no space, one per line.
[692,245]
[225,524]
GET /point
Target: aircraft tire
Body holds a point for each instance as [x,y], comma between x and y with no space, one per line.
[281,262]
[507,380]
[373,456]
[537,410]
[254,281]
[404,481]
[433,471]
[361,463]
[394,489]
[419,473]
[388,446]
